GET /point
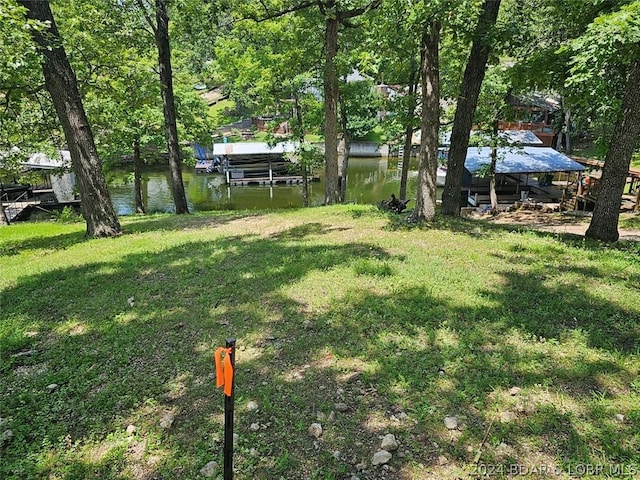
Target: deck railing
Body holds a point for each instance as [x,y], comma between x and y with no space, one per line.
[14,207]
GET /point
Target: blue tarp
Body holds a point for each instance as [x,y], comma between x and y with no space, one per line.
[521,160]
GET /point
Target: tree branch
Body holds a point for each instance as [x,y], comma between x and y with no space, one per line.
[356,12]
[271,15]
[147,17]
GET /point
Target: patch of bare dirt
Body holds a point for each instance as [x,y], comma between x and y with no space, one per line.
[569,223]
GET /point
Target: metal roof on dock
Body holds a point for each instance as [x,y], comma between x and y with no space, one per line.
[252,148]
[521,160]
[512,137]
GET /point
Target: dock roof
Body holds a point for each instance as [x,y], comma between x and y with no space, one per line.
[512,137]
[252,148]
[521,160]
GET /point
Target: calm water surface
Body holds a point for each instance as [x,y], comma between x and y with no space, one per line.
[369,180]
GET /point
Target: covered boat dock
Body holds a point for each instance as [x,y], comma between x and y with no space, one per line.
[256,163]
[54,188]
[539,174]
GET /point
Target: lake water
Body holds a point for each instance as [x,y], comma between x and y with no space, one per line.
[369,180]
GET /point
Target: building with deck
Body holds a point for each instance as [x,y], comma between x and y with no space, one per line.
[51,185]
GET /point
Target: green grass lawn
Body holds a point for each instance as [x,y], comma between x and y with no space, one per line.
[218,112]
[532,340]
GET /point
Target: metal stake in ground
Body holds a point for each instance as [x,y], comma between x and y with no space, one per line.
[228,410]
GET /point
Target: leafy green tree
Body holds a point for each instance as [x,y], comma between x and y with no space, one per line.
[585,50]
[271,66]
[425,209]
[306,156]
[61,83]
[124,105]
[492,108]
[157,17]
[393,46]
[335,15]
[359,105]
[466,105]
[539,33]
[409,46]
[25,109]
[116,65]
[607,58]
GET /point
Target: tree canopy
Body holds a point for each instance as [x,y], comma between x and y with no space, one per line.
[287,60]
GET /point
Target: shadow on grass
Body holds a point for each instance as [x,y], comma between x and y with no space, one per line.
[133,224]
[148,223]
[47,243]
[130,342]
[480,228]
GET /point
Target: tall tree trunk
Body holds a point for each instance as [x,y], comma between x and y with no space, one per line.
[137,181]
[604,223]
[408,133]
[332,193]
[568,148]
[61,82]
[430,123]
[466,107]
[346,139]
[166,89]
[305,177]
[345,167]
[492,169]
[333,17]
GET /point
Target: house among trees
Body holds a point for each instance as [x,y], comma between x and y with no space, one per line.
[535,113]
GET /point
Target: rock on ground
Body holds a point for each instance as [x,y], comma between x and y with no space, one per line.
[451,422]
[381,457]
[209,470]
[389,442]
[315,430]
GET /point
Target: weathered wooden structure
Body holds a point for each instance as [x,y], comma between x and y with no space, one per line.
[54,187]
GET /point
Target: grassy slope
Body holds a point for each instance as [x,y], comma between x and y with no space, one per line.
[329,305]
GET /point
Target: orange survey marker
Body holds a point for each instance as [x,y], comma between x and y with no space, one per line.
[224,371]
[225,378]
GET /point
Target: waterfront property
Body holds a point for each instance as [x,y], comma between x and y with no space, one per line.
[540,174]
[257,163]
[50,186]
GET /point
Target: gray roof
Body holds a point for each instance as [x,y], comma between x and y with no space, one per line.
[514,137]
[252,148]
[521,160]
[40,161]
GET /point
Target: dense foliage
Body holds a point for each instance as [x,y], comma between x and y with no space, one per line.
[278,59]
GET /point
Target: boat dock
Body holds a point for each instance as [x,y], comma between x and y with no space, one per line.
[20,209]
[282,180]
[15,210]
[513,189]
[256,163]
